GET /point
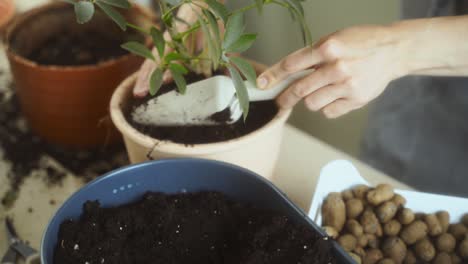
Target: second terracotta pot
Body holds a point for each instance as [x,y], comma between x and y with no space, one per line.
[67,105]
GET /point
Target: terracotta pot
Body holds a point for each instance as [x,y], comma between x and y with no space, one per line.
[257,151]
[7,10]
[67,105]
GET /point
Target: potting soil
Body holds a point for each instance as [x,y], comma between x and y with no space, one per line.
[86,48]
[188,228]
[260,113]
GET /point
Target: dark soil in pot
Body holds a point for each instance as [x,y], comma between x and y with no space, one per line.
[188,228]
[260,113]
[77,49]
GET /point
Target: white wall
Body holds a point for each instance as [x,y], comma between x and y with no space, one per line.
[278,36]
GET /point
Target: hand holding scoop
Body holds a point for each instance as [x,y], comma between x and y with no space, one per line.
[203,99]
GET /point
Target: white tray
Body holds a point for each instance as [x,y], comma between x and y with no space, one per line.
[340,175]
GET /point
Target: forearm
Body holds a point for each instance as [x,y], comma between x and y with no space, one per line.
[435,46]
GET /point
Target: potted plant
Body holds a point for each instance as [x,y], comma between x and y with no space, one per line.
[65,72]
[184,211]
[253,142]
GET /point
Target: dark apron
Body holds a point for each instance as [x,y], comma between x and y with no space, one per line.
[418,128]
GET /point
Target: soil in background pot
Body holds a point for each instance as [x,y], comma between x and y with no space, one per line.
[189,228]
[260,113]
[85,48]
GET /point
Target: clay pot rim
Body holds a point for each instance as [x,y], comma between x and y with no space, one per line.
[19,20]
[178,148]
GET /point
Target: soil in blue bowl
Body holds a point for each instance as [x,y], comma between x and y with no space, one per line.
[188,228]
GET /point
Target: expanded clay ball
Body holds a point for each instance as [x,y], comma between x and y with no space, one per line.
[394,248]
[465,220]
[425,250]
[369,222]
[399,200]
[463,249]
[442,258]
[414,232]
[458,231]
[372,256]
[445,243]
[334,211]
[406,216]
[354,228]
[386,211]
[381,193]
[354,208]
[348,242]
[410,258]
[362,241]
[373,241]
[392,228]
[347,195]
[444,220]
[387,261]
[433,225]
[360,191]
[355,257]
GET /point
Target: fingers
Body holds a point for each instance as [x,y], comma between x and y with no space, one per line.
[300,60]
[322,77]
[142,85]
[325,96]
[338,108]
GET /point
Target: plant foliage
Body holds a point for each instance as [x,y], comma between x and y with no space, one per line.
[177,53]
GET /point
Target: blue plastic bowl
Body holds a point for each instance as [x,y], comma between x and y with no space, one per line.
[128,184]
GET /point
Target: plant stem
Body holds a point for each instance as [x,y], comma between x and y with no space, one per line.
[246,8]
[285,5]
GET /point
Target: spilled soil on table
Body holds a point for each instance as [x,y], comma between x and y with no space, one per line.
[29,155]
[189,228]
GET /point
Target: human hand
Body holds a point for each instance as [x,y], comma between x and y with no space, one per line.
[352,67]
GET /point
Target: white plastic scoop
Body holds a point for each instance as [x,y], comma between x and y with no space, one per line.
[203,99]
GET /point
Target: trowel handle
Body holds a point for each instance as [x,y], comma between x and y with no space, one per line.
[256,94]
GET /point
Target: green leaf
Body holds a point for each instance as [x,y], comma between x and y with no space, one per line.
[70,1]
[219,9]
[234,29]
[156,81]
[173,2]
[84,11]
[142,30]
[242,44]
[113,14]
[178,67]
[179,79]
[247,70]
[209,41]
[241,91]
[138,49]
[117,3]
[216,38]
[259,5]
[158,40]
[173,56]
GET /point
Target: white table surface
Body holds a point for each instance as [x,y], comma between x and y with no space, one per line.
[298,168]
